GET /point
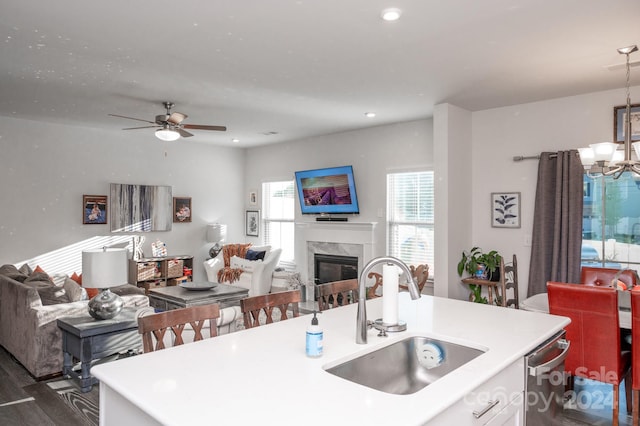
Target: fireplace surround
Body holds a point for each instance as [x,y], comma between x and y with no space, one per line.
[351,239]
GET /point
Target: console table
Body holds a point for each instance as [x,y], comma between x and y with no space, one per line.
[175,297]
[88,339]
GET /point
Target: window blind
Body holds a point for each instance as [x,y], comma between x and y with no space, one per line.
[278,213]
[410,213]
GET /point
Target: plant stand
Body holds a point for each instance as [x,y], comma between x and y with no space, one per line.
[491,286]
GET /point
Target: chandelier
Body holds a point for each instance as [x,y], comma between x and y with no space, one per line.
[603,158]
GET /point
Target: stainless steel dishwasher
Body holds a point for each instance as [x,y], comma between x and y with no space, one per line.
[545,381]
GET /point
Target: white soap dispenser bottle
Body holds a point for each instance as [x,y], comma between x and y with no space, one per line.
[314,338]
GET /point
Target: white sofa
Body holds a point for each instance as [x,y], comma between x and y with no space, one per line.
[256,277]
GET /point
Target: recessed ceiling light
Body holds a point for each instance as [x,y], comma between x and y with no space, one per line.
[235,140]
[369,114]
[392,14]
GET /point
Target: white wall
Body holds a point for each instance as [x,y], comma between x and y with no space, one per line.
[45,169]
[502,133]
[373,152]
[452,140]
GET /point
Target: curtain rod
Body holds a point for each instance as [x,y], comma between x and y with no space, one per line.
[532,157]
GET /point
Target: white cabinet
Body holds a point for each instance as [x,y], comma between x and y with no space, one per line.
[499,401]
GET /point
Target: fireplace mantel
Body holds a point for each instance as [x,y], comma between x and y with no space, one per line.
[326,234]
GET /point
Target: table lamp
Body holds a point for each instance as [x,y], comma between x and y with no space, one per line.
[104,268]
[216,233]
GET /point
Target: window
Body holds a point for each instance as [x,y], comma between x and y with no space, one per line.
[278,212]
[410,208]
[611,222]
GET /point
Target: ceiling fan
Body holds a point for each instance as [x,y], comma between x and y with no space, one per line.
[170,126]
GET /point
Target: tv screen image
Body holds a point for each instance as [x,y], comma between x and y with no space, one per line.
[327,191]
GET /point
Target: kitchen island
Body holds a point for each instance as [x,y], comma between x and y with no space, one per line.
[262,376]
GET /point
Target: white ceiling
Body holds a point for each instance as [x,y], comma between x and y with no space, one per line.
[301,67]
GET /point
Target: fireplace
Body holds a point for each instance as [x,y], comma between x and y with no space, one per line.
[329,267]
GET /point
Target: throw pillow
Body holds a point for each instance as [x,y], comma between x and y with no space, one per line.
[74,291]
[244,264]
[255,255]
[58,279]
[26,269]
[38,277]
[10,271]
[49,294]
[91,292]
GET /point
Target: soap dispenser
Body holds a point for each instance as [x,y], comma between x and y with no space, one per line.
[314,338]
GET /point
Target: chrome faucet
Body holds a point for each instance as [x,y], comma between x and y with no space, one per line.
[362,325]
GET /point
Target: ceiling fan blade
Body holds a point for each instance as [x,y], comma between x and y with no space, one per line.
[202,127]
[183,133]
[176,117]
[131,118]
[143,127]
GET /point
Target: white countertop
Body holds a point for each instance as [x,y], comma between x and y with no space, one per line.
[251,376]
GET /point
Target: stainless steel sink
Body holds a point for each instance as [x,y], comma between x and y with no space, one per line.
[406,366]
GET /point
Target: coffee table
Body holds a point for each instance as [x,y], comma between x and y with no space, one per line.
[88,339]
[175,297]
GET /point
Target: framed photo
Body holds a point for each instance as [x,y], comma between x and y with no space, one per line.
[253,198]
[182,209]
[619,113]
[505,209]
[94,209]
[252,223]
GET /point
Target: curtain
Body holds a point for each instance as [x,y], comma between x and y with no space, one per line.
[557,221]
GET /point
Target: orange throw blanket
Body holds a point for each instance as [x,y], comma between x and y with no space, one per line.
[228,274]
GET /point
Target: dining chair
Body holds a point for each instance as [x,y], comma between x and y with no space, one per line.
[594,333]
[254,307]
[508,284]
[154,327]
[419,273]
[604,277]
[336,293]
[635,349]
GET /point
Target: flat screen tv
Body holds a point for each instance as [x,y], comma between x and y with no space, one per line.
[327,191]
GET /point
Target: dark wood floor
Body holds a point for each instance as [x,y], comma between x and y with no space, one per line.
[23,401]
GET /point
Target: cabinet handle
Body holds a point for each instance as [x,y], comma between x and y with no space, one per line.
[478,414]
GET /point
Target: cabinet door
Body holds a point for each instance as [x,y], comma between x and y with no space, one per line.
[511,415]
[498,400]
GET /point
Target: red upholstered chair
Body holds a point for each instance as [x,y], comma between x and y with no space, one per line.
[594,334]
[635,333]
[602,277]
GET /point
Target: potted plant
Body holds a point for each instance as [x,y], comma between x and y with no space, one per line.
[475,260]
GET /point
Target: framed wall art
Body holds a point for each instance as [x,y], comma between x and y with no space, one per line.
[619,113]
[94,209]
[252,223]
[505,209]
[253,198]
[182,209]
[140,208]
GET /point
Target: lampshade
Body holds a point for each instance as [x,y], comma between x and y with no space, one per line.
[587,156]
[216,232]
[104,268]
[603,151]
[167,134]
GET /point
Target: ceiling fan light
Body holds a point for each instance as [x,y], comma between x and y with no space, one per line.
[167,135]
